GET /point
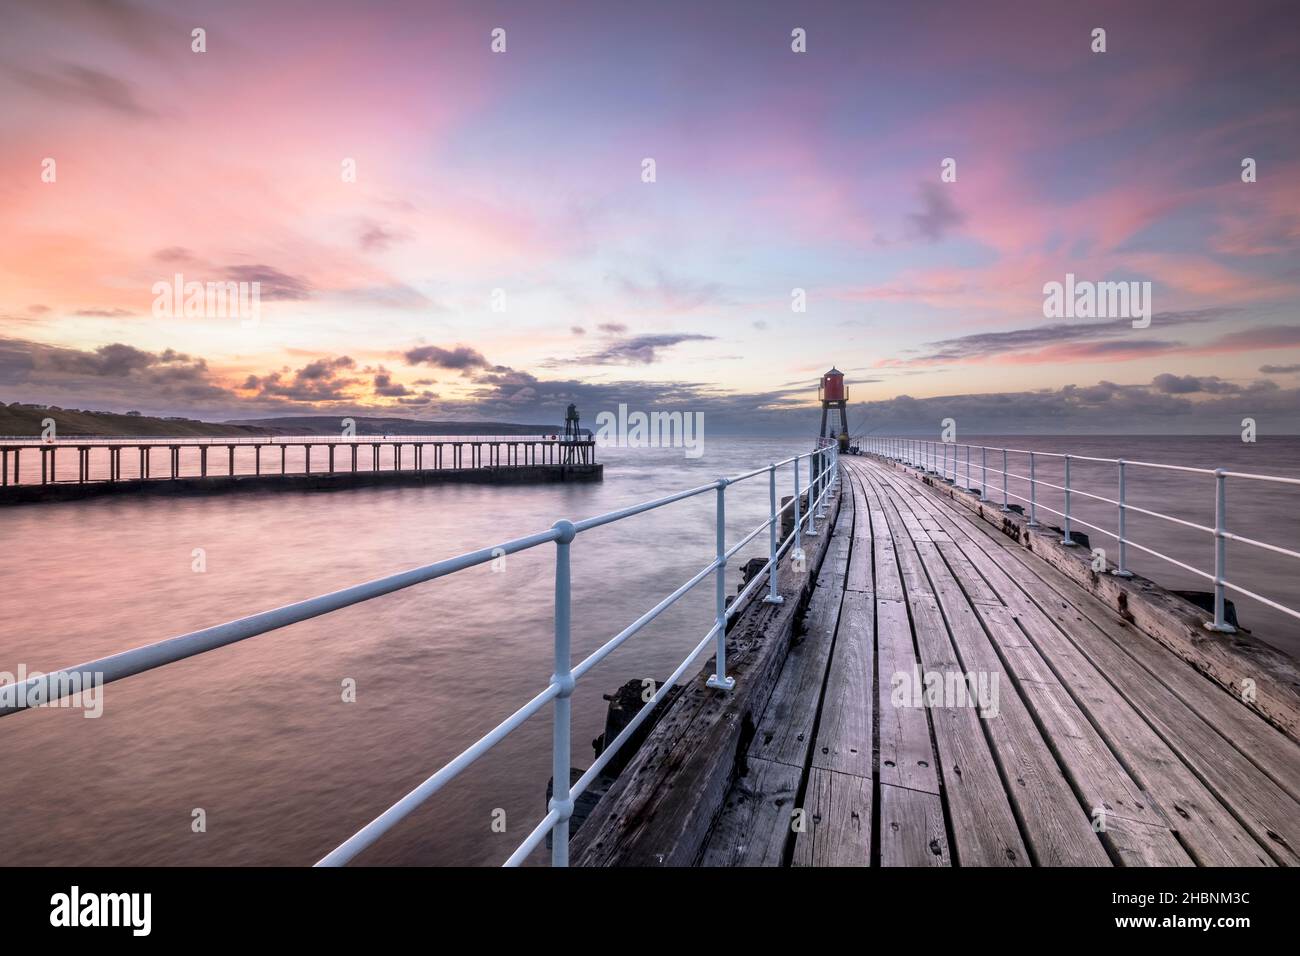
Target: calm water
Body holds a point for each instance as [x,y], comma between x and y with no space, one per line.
[257,734]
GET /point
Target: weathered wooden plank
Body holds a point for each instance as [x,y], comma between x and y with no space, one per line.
[902,721]
[1142,844]
[976,588]
[755,823]
[911,828]
[859,577]
[889,580]
[836,822]
[785,731]
[844,736]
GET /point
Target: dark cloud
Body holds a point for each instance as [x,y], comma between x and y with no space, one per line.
[134,25]
[174,254]
[637,350]
[1279,369]
[318,381]
[613,328]
[376,237]
[938,214]
[75,85]
[275,285]
[386,387]
[103,313]
[992,344]
[1170,384]
[110,360]
[459,359]
[114,373]
[577,330]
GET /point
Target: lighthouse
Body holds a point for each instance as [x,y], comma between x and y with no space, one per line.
[833,394]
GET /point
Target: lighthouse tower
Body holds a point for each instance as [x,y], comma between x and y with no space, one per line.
[834,394]
[573,452]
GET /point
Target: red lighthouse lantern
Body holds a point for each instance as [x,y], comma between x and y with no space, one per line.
[833,394]
[833,386]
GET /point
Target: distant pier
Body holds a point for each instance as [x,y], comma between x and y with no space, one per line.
[33,471]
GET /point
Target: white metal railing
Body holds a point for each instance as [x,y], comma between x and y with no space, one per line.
[942,460]
[822,478]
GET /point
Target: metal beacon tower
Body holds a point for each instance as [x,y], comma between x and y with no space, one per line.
[833,394]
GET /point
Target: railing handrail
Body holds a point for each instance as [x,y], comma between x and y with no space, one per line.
[925,453]
[46,688]
[29,441]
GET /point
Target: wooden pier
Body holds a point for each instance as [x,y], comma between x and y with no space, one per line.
[946,686]
[110,466]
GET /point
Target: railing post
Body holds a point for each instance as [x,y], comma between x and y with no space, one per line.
[812,505]
[772,596]
[1005,506]
[984,473]
[1121,568]
[823,456]
[798,511]
[720,680]
[968,484]
[1033,491]
[1067,540]
[1220,552]
[560,736]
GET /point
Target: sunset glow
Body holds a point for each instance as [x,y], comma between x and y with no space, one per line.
[522,172]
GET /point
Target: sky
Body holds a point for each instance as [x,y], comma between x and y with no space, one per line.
[501,249]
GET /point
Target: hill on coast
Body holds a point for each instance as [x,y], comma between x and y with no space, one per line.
[333,424]
[27,420]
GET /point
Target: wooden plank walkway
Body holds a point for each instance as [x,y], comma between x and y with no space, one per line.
[955,700]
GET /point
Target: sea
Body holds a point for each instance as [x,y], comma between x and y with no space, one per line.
[274,750]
